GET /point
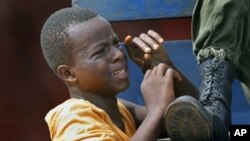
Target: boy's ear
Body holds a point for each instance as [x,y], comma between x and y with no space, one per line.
[64,72]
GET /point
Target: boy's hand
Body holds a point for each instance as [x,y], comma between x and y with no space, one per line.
[158,87]
[147,50]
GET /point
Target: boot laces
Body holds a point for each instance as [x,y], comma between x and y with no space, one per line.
[211,92]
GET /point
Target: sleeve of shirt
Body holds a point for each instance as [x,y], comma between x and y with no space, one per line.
[220,24]
[78,124]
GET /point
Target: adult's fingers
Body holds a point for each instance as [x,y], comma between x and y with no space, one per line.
[128,41]
[157,37]
[143,46]
[146,62]
[148,40]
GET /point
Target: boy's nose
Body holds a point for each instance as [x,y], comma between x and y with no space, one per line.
[117,54]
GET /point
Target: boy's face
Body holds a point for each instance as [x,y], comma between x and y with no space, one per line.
[98,63]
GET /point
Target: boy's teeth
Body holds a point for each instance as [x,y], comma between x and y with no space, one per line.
[119,72]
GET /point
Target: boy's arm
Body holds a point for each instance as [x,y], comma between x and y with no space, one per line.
[138,112]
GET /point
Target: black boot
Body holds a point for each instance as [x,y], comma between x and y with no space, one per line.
[216,88]
[209,119]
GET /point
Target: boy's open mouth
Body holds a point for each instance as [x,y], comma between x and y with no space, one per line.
[119,72]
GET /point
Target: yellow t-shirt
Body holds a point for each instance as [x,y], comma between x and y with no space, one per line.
[78,119]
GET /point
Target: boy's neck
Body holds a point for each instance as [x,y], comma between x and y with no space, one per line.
[104,102]
[107,103]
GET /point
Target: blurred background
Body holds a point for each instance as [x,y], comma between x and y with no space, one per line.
[29,89]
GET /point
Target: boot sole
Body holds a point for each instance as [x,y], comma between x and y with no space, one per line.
[187,120]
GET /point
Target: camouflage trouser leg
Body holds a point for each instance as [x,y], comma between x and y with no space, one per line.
[220,28]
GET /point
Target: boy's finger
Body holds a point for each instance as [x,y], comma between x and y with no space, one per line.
[143,46]
[147,74]
[154,70]
[174,74]
[162,69]
[146,38]
[155,36]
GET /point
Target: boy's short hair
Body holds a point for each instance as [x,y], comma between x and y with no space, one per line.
[54,37]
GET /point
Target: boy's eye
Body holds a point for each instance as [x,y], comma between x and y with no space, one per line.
[100,52]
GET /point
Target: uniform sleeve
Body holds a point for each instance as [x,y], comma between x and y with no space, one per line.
[220,24]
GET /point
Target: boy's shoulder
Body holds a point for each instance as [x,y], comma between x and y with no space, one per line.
[71,107]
